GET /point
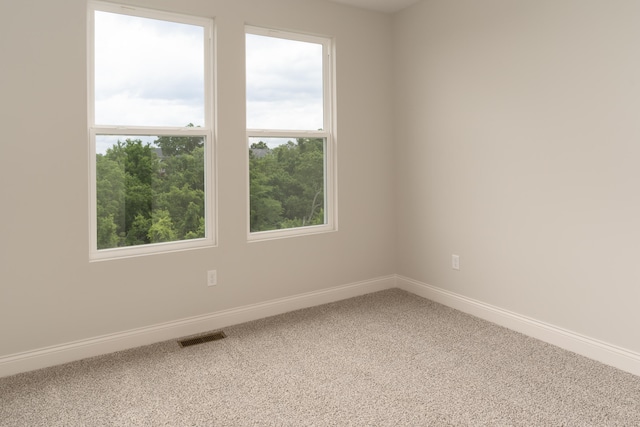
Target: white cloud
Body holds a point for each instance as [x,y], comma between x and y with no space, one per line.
[127,109]
[284,84]
[285,114]
[151,73]
[148,72]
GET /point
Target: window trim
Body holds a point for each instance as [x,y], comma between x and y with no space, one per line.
[206,131]
[328,134]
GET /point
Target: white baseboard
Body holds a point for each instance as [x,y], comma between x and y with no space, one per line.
[594,349]
[608,354]
[58,354]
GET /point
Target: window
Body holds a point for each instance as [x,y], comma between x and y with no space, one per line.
[150,130]
[289,134]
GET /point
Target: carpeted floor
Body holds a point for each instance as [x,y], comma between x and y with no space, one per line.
[385,359]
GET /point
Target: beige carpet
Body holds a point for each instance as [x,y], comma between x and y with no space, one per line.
[385,359]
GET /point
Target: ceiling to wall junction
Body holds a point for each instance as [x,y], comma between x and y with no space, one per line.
[387,6]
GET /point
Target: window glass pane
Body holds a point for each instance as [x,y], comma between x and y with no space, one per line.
[149,189]
[286,182]
[284,84]
[148,72]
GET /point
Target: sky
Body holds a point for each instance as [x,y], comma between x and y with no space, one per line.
[284,84]
[151,73]
[148,72]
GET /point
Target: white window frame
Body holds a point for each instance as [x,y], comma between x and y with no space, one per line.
[328,133]
[205,131]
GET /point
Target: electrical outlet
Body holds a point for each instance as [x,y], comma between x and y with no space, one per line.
[455,262]
[212,278]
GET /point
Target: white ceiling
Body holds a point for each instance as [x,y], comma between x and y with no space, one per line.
[388,6]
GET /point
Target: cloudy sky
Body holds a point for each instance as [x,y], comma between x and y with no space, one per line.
[151,73]
[284,84]
[148,72]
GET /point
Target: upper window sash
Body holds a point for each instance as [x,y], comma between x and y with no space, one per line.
[205,23]
[327,83]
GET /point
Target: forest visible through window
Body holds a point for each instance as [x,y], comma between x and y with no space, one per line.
[150,192]
[286,184]
[153,192]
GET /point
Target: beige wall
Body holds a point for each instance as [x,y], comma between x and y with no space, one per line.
[517,128]
[49,292]
[512,140]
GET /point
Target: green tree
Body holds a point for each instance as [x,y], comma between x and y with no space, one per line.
[161,229]
[192,224]
[265,209]
[140,161]
[110,188]
[144,198]
[181,169]
[310,174]
[138,233]
[138,200]
[199,233]
[107,232]
[184,205]
[287,185]
[175,145]
[259,146]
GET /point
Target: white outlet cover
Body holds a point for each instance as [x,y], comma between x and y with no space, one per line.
[212,278]
[455,262]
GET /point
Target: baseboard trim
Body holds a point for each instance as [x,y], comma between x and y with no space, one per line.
[59,354]
[606,353]
[609,354]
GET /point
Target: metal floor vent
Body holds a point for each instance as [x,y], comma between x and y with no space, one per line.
[214,336]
